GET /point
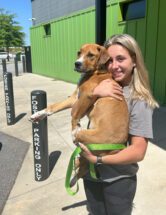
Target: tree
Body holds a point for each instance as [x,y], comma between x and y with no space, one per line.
[11,34]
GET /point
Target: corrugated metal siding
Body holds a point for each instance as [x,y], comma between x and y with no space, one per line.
[160,73]
[54,56]
[151,38]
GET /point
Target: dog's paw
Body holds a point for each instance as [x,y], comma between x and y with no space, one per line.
[39,115]
[74,134]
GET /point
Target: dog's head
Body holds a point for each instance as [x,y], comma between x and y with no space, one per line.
[91,57]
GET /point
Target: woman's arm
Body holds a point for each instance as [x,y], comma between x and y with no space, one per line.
[131,154]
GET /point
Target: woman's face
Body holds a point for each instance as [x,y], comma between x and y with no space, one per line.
[120,64]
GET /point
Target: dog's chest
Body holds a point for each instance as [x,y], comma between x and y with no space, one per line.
[89,84]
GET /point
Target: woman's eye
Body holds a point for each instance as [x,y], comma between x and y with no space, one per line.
[120,59]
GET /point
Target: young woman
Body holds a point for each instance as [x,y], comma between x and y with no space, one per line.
[114,191]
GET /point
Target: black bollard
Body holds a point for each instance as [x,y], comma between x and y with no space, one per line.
[23,63]
[4,65]
[16,66]
[40,137]
[9,98]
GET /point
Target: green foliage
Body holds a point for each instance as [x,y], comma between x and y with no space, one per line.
[11,34]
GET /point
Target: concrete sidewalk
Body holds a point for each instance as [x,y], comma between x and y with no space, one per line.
[49,197]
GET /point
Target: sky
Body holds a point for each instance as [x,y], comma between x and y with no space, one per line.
[23,11]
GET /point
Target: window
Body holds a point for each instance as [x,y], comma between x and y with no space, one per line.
[47,30]
[133,9]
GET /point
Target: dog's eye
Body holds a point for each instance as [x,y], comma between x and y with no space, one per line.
[78,53]
[90,55]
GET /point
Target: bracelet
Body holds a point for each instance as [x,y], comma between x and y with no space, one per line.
[99,160]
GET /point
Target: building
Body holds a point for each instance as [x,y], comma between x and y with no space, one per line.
[61,27]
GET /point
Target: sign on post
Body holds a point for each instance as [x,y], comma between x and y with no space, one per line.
[9,98]
[40,137]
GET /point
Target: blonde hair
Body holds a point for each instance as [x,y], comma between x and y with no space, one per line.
[139,86]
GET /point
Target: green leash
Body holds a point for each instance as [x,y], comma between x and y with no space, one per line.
[77,151]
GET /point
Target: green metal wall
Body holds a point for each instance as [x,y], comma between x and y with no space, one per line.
[54,55]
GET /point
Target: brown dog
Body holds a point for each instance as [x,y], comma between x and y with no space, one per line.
[108,116]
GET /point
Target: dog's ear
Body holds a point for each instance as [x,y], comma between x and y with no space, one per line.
[104,57]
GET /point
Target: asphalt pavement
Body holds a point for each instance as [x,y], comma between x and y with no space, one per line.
[48,197]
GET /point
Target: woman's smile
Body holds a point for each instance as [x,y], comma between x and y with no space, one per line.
[117,74]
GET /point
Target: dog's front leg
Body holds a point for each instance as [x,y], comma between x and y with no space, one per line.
[80,109]
[54,108]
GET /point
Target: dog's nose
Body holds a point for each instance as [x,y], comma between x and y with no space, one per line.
[78,64]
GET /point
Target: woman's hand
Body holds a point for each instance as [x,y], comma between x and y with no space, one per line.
[109,87]
[87,153]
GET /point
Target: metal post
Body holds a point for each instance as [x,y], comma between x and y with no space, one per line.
[28,59]
[16,66]
[9,98]
[23,63]
[40,137]
[100,21]
[4,65]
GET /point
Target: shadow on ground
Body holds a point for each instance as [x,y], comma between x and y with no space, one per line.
[53,158]
[159,127]
[77,204]
[19,117]
[12,153]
